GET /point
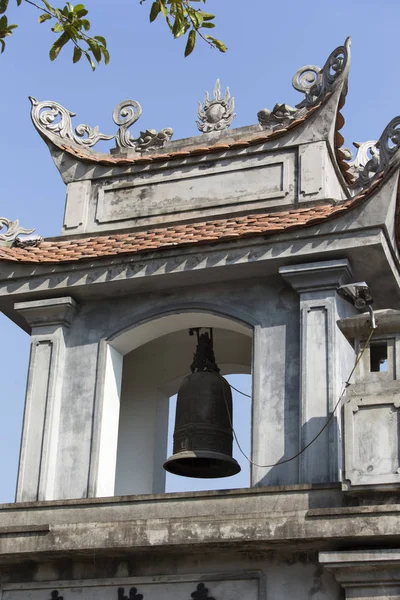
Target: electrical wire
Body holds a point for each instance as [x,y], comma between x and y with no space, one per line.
[329,419]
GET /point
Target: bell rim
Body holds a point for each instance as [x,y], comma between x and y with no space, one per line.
[227,460]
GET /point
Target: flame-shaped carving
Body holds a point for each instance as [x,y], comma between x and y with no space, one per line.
[216,114]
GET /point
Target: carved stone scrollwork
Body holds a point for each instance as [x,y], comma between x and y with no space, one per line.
[125,115]
[216,114]
[314,83]
[389,142]
[366,161]
[374,157]
[13,230]
[201,593]
[51,117]
[133,595]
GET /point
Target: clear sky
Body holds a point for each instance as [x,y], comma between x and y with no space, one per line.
[268,41]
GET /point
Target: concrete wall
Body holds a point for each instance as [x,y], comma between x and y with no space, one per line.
[232,576]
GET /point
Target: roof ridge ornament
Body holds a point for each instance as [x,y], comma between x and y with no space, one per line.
[13,231]
[125,114]
[315,83]
[216,114]
[374,157]
[52,119]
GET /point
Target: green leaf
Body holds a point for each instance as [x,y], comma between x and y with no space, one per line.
[220,45]
[154,12]
[163,8]
[208,25]
[92,64]
[101,39]
[3,46]
[86,24]
[19,2]
[180,26]
[198,18]
[44,17]
[58,44]
[208,16]
[79,7]
[191,42]
[105,54]
[3,6]
[81,13]
[48,6]
[77,54]
[58,28]
[95,48]
[3,22]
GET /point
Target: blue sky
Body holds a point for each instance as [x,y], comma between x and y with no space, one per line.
[267,43]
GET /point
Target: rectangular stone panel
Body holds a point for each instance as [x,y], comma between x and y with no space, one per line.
[196,188]
[35,416]
[372,436]
[220,587]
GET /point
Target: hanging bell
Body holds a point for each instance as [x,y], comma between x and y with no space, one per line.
[203,422]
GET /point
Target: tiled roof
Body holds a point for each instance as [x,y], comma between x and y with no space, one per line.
[161,238]
[88,155]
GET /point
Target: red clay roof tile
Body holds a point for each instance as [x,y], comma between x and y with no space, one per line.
[65,251]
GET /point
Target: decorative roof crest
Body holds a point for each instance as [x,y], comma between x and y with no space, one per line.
[314,83]
[216,114]
[12,233]
[51,118]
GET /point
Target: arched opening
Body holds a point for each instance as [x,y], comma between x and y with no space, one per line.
[144,369]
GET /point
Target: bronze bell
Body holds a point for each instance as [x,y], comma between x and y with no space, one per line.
[203,422]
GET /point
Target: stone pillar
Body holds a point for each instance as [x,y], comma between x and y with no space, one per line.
[325,362]
[366,574]
[49,320]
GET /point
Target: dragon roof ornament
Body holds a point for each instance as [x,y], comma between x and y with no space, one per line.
[315,83]
[52,119]
[12,232]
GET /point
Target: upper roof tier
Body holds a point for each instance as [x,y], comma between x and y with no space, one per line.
[149,193]
[290,158]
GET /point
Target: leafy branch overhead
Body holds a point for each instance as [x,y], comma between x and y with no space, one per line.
[71,25]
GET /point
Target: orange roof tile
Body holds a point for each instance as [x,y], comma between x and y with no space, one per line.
[65,251]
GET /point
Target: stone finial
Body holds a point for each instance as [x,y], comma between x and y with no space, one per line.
[13,231]
[315,83]
[53,120]
[216,114]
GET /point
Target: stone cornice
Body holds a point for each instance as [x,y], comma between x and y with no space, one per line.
[54,311]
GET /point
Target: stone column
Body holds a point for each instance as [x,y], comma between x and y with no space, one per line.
[366,574]
[49,320]
[325,362]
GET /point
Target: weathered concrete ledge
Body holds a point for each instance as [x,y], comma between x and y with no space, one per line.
[292,517]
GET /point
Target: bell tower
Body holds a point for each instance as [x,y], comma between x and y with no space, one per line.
[245,237]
